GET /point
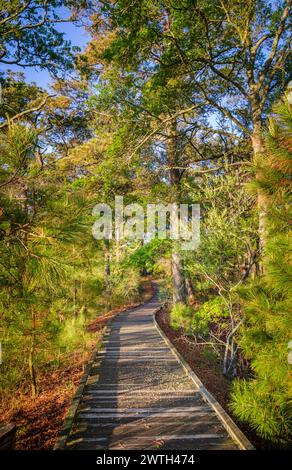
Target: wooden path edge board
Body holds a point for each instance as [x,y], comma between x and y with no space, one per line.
[233,430]
[235,433]
[72,412]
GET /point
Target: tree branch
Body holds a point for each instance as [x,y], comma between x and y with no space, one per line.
[27,111]
[275,44]
[17,13]
[224,111]
[164,121]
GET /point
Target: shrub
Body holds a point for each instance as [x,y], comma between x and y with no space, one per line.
[181,317]
[265,400]
[212,311]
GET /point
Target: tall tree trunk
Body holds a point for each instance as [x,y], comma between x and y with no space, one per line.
[173,159]
[189,289]
[258,151]
[107,272]
[179,292]
[31,368]
[75,298]
[107,259]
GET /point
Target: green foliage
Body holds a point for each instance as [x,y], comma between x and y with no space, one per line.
[73,334]
[265,407]
[265,400]
[181,317]
[29,36]
[146,257]
[197,321]
[125,285]
[212,311]
[210,355]
[148,134]
[228,230]
[52,276]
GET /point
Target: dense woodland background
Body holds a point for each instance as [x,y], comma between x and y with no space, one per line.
[179,100]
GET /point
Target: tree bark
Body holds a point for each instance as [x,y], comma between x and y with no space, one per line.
[189,289]
[107,272]
[258,151]
[173,160]
[31,368]
[107,259]
[75,297]
[179,292]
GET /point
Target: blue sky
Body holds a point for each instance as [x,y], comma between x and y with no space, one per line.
[78,37]
[76,34]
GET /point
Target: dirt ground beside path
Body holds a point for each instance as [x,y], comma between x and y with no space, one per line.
[39,420]
[208,369]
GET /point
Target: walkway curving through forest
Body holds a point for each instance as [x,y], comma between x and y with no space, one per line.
[139,396]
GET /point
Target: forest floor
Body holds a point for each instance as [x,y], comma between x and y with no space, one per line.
[207,366]
[39,420]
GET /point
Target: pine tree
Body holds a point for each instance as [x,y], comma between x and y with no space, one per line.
[265,400]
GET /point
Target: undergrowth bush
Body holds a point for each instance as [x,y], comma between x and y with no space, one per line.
[212,311]
[181,317]
[265,400]
[198,322]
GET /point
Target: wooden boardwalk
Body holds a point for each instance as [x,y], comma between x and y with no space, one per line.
[138,395]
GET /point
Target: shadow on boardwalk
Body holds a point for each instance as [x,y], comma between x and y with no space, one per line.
[138,396]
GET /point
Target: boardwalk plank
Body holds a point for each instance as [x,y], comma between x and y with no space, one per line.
[138,395]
